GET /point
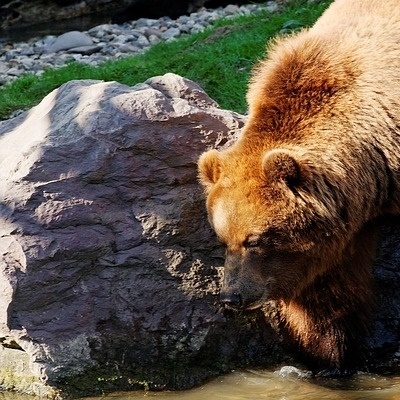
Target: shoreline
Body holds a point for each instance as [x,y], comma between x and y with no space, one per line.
[110,41]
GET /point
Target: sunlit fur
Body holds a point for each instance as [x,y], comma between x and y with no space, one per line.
[295,198]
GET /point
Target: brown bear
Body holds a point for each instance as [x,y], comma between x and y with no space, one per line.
[296,198]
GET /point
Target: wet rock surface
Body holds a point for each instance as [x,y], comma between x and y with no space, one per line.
[384,342]
[109,270]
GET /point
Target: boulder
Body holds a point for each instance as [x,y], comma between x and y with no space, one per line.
[109,269]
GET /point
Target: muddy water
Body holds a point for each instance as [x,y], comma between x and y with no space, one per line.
[287,383]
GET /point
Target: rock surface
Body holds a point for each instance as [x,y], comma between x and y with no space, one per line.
[109,270]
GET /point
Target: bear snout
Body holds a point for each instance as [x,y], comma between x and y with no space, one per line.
[231,299]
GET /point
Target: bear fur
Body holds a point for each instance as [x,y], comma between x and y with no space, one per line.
[296,198]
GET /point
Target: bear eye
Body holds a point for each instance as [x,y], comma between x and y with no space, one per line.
[252,242]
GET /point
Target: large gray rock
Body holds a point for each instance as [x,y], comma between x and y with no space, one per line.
[109,270]
[108,266]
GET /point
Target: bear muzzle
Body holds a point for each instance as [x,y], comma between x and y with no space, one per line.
[232,298]
[239,289]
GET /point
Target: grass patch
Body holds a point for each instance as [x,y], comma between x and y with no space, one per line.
[219,59]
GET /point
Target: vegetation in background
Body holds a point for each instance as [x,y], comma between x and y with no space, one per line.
[219,59]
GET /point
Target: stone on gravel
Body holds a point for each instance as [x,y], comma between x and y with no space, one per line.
[170,33]
[85,50]
[70,40]
[107,41]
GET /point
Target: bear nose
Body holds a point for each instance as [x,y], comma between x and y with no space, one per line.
[231,299]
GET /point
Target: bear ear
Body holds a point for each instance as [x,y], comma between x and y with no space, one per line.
[279,165]
[209,167]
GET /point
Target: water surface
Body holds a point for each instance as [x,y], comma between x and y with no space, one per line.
[287,383]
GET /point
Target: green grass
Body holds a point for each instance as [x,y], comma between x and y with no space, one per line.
[219,59]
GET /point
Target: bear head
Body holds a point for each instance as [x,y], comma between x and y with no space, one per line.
[275,216]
